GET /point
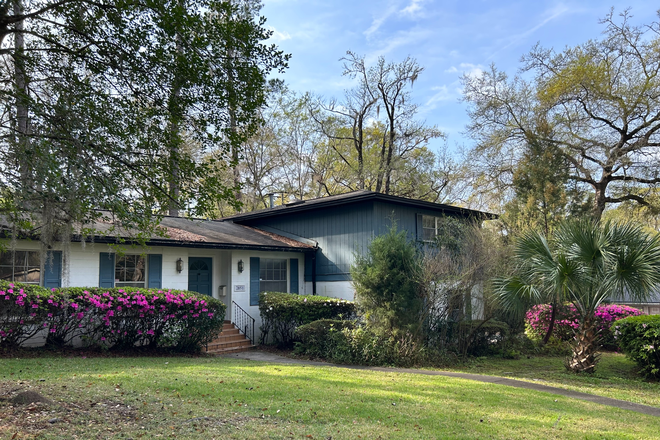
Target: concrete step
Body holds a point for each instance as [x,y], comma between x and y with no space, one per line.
[229,332]
[221,345]
[230,340]
[231,350]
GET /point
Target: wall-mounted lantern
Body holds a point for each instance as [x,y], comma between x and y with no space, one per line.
[241,266]
[179,265]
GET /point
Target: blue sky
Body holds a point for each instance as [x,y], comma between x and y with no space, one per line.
[447,38]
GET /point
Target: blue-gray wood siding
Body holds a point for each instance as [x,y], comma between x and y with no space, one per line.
[341,231]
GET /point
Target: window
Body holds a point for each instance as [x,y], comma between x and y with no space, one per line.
[429,227]
[21,266]
[130,271]
[272,275]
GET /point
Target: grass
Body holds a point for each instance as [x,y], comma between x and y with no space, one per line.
[615,376]
[226,398]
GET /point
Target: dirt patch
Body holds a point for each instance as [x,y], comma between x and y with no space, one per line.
[87,412]
[29,397]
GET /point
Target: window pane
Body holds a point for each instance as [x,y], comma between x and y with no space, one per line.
[6,273]
[33,275]
[272,286]
[138,274]
[6,259]
[273,270]
[20,258]
[428,234]
[19,275]
[130,269]
[428,221]
[33,259]
[129,284]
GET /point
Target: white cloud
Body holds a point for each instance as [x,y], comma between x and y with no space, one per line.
[548,16]
[378,21]
[470,69]
[415,36]
[442,93]
[413,8]
[278,35]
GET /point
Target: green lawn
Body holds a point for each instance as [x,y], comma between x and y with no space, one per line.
[224,398]
[615,376]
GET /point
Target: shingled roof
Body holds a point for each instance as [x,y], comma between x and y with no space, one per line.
[354,197]
[199,233]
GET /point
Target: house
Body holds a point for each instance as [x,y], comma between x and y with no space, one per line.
[304,247]
[344,225]
[649,307]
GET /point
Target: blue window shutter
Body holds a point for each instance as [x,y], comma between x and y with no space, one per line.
[254,281]
[293,272]
[107,270]
[155,268]
[53,269]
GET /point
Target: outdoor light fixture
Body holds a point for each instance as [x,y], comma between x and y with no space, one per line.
[179,265]
[240,266]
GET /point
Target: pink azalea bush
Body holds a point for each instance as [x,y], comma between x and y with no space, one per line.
[537,321]
[117,318]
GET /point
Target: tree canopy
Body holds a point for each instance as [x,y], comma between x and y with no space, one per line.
[585,263]
[91,91]
[595,104]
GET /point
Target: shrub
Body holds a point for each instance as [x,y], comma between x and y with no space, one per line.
[567,320]
[325,339]
[22,312]
[111,318]
[345,342]
[387,284]
[639,337]
[470,337]
[480,338]
[283,313]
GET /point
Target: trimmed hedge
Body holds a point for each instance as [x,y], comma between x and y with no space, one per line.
[283,313]
[639,337]
[537,321]
[110,318]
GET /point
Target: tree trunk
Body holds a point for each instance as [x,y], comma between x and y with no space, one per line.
[599,200]
[585,347]
[175,137]
[551,327]
[22,149]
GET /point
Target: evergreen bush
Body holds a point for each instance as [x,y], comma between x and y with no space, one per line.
[639,337]
[325,339]
[283,313]
[387,284]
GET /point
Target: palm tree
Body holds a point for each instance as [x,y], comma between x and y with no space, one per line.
[585,263]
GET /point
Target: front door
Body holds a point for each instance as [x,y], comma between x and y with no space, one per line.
[199,275]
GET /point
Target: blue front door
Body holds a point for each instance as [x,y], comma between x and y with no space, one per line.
[199,275]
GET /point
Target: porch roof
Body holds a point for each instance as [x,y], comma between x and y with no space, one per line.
[195,233]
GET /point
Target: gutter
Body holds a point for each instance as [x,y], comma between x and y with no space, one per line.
[204,245]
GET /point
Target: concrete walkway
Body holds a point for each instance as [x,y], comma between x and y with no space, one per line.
[264,356]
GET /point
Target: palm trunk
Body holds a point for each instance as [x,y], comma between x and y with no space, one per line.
[585,347]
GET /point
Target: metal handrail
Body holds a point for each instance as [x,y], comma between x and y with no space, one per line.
[242,320]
